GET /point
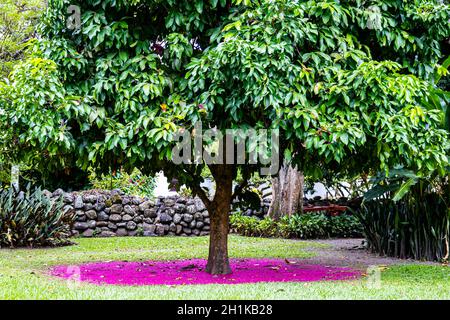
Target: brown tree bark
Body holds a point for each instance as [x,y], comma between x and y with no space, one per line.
[219,209]
[287,193]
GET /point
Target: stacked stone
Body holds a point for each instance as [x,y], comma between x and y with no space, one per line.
[265,191]
[111,213]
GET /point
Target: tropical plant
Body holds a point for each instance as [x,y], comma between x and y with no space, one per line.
[414,227]
[18,21]
[114,92]
[30,219]
[299,226]
[134,183]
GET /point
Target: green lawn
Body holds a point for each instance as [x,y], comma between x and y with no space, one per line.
[23,273]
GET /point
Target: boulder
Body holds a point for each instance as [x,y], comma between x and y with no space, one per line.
[107,234]
[79,204]
[115,217]
[127,218]
[116,209]
[131,225]
[91,214]
[80,226]
[102,216]
[89,233]
[165,218]
[122,232]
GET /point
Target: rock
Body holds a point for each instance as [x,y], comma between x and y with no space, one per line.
[207,221]
[115,217]
[116,209]
[58,193]
[74,233]
[138,219]
[79,204]
[198,216]
[129,210]
[199,206]
[148,220]
[107,234]
[88,206]
[203,233]
[169,202]
[131,225]
[170,212]
[199,225]
[149,227]
[80,226]
[187,230]
[148,234]
[122,232]
[182,200]
[205,214]
[89,233]
[68,198]
[92,224]
[172,227]
[177,218]
[179,207]
[196,232]
[184,224]
[112,226]
[150,213]
[133,233]
[121,224]
[102,224]
[81,219]
[99,206]
[165,218]
[47,193]
[206,228]
[146,205]
[191,209]
[127,217]
[91,214]
[193,224]
[188,217]
[90,198]
[179,229]
[102,216]
[160,229]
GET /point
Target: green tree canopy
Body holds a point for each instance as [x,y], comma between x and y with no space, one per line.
[345,82]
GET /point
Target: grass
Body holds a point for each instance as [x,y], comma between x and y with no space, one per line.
[23,273]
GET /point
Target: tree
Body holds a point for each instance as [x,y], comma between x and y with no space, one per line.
[18,21]
[115,92]
[287,192]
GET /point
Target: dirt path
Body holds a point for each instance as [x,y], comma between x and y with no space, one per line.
[351,253]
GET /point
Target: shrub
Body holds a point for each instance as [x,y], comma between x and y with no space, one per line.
[410,228]
[30,219]
[135,184]
[301,226]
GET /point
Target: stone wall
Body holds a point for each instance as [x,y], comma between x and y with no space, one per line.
[111,213]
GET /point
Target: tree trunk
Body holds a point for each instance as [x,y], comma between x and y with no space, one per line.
[219,210]
[287,193]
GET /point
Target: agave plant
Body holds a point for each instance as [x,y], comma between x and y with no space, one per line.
[29,219]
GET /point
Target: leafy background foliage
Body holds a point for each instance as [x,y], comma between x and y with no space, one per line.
[346,97]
